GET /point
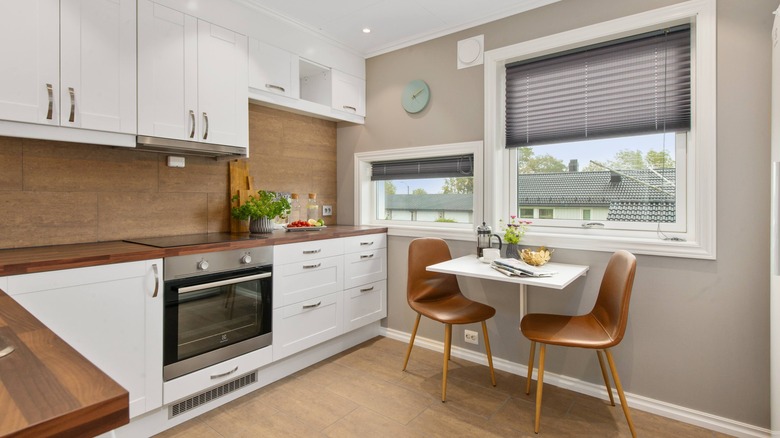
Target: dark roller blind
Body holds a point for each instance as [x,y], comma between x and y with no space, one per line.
[636,85]
[439,167]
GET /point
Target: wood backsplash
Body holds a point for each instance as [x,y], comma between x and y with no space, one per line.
[58,193]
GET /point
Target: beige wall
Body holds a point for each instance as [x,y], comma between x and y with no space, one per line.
[698,332]
[57,193]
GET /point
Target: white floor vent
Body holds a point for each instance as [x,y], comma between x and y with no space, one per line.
[212,394]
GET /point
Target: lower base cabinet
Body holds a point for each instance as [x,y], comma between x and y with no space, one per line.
[365,304]
[111,314]
[299,326]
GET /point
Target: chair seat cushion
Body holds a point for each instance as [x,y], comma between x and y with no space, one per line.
[455,309]
[571,331]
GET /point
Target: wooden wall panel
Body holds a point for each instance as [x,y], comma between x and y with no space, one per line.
[58,193]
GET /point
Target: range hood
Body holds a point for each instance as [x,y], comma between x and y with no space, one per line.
[181,147]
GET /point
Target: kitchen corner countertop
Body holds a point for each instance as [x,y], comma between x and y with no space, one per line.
[49,389]
[49,258]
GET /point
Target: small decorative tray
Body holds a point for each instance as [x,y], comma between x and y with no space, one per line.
[304,228]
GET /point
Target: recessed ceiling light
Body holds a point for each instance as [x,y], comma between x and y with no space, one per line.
[366,30]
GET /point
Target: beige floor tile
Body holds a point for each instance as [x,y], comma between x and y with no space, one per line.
[194,428]
[312,404]
[363,422]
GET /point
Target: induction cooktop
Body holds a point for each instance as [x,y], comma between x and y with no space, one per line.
[193,239]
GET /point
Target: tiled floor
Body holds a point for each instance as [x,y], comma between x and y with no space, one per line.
[363,393]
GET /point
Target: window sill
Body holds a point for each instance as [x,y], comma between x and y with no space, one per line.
[440,232]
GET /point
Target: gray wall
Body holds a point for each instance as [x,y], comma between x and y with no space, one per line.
[698,332]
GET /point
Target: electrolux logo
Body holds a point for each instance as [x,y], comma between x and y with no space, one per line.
[224,338]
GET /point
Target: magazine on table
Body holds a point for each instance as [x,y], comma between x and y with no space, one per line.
[514,267]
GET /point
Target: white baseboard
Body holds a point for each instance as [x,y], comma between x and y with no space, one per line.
[642,403]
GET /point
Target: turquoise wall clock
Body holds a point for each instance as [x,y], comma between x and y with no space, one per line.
[415,96]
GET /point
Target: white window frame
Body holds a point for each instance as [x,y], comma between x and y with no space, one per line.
[365,197]
[699,238]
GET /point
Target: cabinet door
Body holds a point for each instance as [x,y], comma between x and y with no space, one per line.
[110,314]
[272,70]
[222,86]
[30,54]
[167,72]
[349,93]
[365,304]
[98,65]
[365,267]
[300,326]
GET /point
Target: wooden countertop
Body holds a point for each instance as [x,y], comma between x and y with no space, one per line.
[47,388]
[50,258]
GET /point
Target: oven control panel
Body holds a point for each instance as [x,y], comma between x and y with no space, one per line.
[220,261]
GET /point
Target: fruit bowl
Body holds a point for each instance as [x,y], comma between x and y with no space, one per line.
[538,257]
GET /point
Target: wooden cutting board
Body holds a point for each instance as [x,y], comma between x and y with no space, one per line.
[241,184]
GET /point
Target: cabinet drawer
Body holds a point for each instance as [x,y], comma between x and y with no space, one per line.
[303,325]
[303,251]
[365,267]
[365,304]
[201,380]
[304,280]
[363,243]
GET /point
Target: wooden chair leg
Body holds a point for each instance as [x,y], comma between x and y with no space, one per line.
[539,382]
[411,341]
[447,346]
[489,354]
[530,368]
[606,378]
[620,391]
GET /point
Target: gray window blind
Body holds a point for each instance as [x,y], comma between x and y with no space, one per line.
[439,167]
[632,86]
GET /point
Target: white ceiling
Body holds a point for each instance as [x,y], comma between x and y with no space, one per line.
[394,23]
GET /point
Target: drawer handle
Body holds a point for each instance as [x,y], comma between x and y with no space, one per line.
[366,256]
[368,289]
[275,87]
[366,243]
[312,266]
[312,251]
[217,376]
[348,107]
[311,306]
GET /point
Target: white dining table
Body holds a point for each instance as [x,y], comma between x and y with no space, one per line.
[471,266]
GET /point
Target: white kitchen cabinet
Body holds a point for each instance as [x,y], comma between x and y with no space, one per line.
[303,325]
[111,314]
[299,281]
[365,304]
[365,280]
[348,93]
[192,78]
[272,70]
[70,64]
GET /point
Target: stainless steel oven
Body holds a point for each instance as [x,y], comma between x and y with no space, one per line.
[217,306]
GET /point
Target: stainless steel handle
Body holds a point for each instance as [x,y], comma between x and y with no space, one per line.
[192,129]
[312,266]
[275,87]
[349,107]
[156,280]
[366,243]
[593,225]
[366,256]
[206,121]
[368,289]
[72,93]
[188,289]
[312,251]
[311,306]
[217,376]
[50,91]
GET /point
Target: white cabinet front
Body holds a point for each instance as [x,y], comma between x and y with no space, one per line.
[304,280]
[272,70]
[365,304]
[349,93]
[365,267]
[110,314]
[192,78]
[306,324]
[70,63]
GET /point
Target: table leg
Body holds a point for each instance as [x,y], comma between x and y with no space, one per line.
[523,302]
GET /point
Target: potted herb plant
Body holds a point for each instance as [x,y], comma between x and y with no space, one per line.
[260,210]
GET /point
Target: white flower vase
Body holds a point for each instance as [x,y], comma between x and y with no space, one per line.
[261,225]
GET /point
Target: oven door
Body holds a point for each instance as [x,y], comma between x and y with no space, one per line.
[211,318]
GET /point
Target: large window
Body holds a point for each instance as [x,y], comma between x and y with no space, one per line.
[605,135]
[421,191]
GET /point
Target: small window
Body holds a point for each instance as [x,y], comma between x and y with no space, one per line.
[586,214]
[545,213]
[527,213]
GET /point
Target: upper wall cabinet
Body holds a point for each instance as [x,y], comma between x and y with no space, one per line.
[192,78]
[349,93]
[272,70]
[70,65]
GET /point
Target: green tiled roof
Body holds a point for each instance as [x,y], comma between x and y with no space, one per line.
[449,202]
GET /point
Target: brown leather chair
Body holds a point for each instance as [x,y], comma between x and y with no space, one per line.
[600,329]
[438,297]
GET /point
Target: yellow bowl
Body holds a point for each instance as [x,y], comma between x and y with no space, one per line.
[536,258]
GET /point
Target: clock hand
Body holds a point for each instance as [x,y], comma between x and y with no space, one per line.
[418,92]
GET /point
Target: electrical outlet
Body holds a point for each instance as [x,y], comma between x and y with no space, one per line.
[327,210]
[471,337]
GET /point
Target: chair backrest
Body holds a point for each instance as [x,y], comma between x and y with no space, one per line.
[611,308]
[423,285]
